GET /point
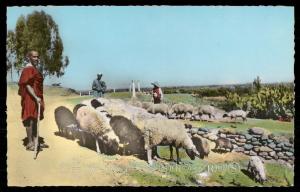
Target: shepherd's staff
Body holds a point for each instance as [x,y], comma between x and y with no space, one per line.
[36,142]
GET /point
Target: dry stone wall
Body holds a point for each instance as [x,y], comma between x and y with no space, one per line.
[257,141]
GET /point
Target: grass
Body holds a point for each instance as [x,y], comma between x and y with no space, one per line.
[150,179]
[276,127]
[277,175]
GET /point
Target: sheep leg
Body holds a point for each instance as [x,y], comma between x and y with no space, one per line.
[248,168]
[177,153]
[97,146]
[83,138]
[149,154]
[171,153]
[155,154]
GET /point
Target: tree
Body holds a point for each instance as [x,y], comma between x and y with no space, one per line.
[10,51]
[38,31]
[257,84]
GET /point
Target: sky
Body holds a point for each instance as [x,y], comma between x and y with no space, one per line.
[185,45]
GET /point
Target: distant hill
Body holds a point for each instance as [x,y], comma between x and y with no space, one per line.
[50,90]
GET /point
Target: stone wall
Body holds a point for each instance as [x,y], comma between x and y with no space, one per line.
[257,141]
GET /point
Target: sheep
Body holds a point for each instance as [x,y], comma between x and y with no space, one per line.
[146,105]
[257,169]
[202,145]
[67,124]
[167,132]
[98,126]
[205,109]
[181,108]
[135,102]
[158,108]
[223,143]
[129,135]
[237,113]
[188,126]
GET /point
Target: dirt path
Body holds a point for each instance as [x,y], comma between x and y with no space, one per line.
[64,163]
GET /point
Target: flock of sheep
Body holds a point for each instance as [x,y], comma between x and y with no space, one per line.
[188,111]
[135,128]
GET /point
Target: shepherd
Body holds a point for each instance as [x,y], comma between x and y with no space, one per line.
[98,86]
[31,92]
[157,93]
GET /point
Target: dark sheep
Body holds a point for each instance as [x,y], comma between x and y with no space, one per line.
[202,146]
[130,136]
[223,143]
[66,122]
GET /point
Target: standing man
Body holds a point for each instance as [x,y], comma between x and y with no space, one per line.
[99,87]
[31,92]
[157,93]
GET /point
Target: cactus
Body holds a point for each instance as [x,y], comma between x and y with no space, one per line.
[268,102]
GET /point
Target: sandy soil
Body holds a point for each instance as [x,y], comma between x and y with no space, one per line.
[66,163]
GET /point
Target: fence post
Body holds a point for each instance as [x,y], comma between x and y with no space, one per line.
[133,89]
[138,86]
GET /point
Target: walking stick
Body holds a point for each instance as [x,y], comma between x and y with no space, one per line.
[36,142]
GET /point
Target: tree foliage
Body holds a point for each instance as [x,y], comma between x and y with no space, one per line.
[257,84]
[38,31]
[10,50]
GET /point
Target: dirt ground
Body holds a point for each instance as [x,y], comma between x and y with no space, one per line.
[65,163]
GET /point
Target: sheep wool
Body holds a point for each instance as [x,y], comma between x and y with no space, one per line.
[180,108]
[257,169]
[164,131]
[238,113]
[91,121]
[202,145]
[158,108]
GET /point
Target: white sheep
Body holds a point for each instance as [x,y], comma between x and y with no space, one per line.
[205,109]
[257,169]
[146,105]
[167,132]
[181,108]
[97,125]
[161,108]
[237,113]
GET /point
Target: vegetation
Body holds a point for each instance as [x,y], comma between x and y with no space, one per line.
[276,127]
[38,31]
[277,175]
[269,102]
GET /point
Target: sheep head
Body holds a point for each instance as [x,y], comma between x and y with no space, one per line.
[192,153]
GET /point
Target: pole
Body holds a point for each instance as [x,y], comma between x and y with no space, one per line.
[36,140]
